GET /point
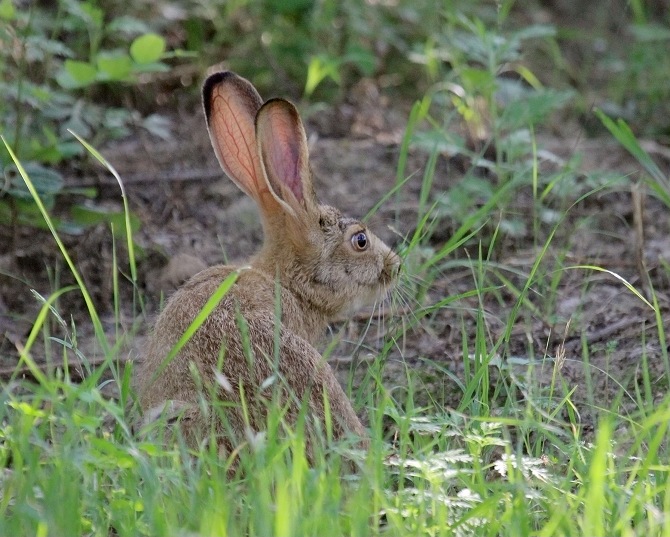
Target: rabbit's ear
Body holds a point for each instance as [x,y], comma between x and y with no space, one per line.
[282,145]
[231,104]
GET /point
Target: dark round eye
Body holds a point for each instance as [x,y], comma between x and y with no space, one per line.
[360,241]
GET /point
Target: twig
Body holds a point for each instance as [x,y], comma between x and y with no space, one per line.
[182,176]
[605,332]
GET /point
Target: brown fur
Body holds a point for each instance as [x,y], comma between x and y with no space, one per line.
[308,250]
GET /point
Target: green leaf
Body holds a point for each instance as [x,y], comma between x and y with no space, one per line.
[624,135]
[47,182]
[115,66]
[534,31]
[147,48]
[94,14]
[478,81]
[26,213]
[658,181]
[68,149]
[532,107]
[90,216]
[127,26]
[158,125]
[81,73]
[319,68]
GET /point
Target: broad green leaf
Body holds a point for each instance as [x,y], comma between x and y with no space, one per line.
[24,213]
[47,182]
[90,216]
[82,73]
[147,48]
[158,125]
[114,66]
[94,14]
[533,107]
[534,31]
[127,25]
[478,80]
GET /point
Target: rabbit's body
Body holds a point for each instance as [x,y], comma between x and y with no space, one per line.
[315,264]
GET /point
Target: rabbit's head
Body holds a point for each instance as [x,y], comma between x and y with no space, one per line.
[330,262]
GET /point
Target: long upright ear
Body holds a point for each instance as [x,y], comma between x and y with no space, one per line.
[282,145]
[231,104]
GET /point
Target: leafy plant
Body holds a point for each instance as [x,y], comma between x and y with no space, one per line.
[485,105]
[115,66]
[480,77]
[54,58]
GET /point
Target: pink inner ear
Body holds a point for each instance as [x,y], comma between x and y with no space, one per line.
[285,159]
[283,149]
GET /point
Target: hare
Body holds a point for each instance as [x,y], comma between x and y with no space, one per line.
[314,265]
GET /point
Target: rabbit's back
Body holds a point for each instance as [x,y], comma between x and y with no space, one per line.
[250,294]
[233,351]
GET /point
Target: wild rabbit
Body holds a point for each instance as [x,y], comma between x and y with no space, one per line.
[314,265]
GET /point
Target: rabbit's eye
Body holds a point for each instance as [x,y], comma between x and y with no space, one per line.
[360,241]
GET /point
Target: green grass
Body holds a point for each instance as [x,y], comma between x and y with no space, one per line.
[75,470]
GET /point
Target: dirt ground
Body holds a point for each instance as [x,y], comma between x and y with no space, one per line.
[192,216]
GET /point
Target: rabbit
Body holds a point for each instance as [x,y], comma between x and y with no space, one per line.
[314,266]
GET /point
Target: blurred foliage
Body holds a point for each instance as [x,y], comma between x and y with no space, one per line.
[301,43]
[56,63]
